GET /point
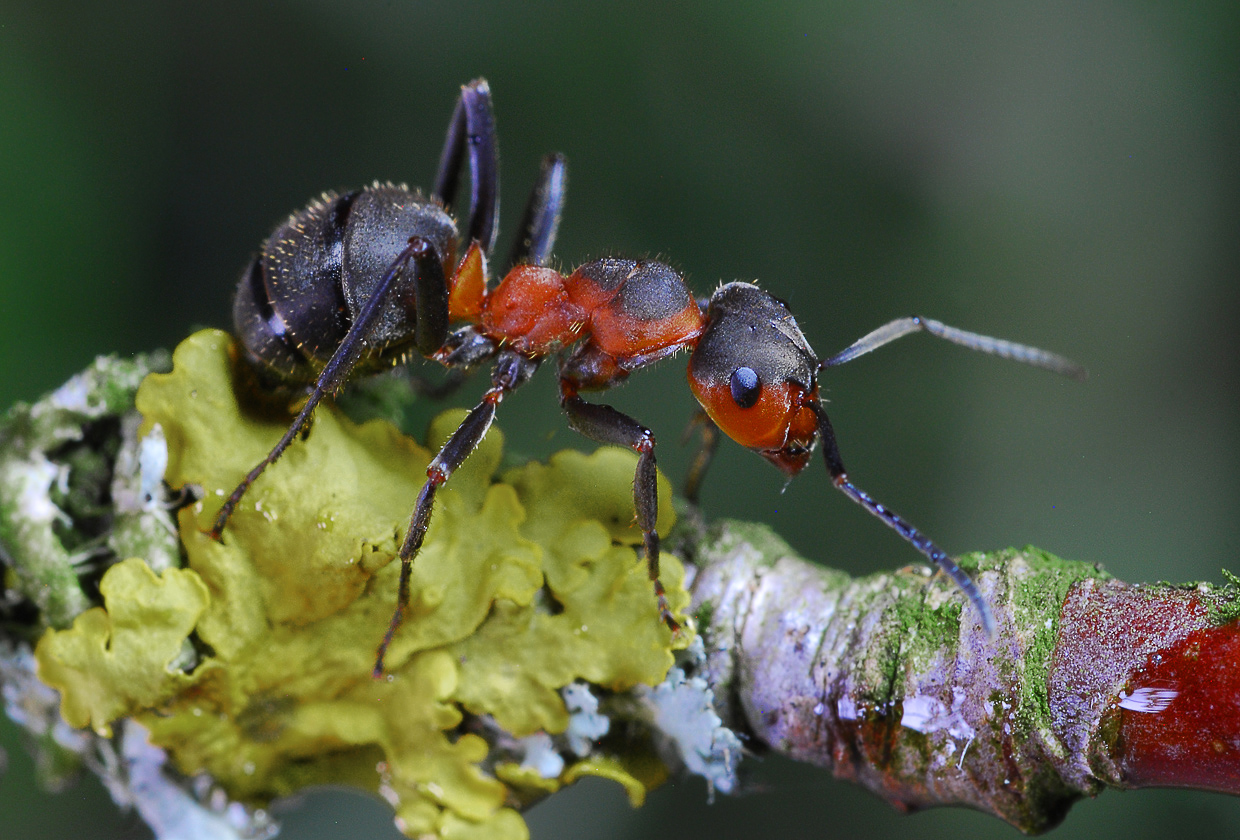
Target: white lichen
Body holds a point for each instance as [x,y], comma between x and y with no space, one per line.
[77,395]
[681,709]
[541,756]
[926,714]
[171,811]
[35,478]
[136,775]
[585,724]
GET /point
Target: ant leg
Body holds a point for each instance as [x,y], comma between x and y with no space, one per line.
[430,298]
[473,126]
[536,235]
[342,362]
[511,371]
[919,541]
[974,341]
[707,446]
[604,424]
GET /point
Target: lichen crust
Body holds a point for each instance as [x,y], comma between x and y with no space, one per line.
[252,663]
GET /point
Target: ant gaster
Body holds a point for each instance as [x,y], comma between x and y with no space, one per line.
[359,282]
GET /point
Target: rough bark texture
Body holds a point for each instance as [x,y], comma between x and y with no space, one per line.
[1088,683]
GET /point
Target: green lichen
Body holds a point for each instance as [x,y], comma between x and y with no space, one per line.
[1038,583]
[41,448]
[767,546]
[919,636]
[704,614]
[1222,603]
[523,586]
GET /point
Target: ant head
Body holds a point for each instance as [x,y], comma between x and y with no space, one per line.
[754,374]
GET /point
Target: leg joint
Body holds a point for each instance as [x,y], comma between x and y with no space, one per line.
[645,443]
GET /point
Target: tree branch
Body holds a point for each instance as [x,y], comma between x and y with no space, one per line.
[1089,682]
[534,655]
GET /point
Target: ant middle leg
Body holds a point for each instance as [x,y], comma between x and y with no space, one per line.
[604,424]
[511,371]
[535,238]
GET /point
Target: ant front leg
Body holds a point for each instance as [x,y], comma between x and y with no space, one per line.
[604,424]
[428,272]
[919,541]
[460,352]
[511,371]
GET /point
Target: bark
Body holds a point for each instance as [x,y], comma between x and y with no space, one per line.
[1088,683]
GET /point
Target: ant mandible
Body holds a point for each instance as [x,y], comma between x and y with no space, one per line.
[358,282]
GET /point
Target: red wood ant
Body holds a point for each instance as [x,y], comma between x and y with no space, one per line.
[359,282]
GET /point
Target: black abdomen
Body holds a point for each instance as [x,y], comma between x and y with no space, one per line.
[299,296]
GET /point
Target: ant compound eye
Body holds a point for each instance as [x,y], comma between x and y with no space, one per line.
[746,387]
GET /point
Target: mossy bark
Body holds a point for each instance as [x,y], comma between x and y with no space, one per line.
[890,681]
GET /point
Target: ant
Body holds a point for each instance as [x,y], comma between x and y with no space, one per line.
[359,282]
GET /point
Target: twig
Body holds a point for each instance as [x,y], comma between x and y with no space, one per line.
[248,663]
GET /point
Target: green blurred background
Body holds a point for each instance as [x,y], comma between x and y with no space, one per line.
[1061,174]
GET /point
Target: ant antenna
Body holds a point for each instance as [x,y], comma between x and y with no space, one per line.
[901,327]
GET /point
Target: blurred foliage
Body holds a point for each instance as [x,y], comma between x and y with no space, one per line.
[1063,175]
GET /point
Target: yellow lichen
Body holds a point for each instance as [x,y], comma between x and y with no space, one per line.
[523,586]
[638,772]
[115,658]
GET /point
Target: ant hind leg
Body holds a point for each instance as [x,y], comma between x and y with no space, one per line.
[472,127]
[429,270]
[604,424]
[708,444]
